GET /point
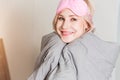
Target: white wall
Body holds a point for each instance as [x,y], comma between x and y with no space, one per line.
[106,19]
[17,31]
[118,17]
[24,22]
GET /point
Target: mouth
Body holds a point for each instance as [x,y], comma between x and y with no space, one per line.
[66,33]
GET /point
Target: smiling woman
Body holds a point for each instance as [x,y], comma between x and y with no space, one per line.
[73,51]
[24,22]
[73,19]
[70,26]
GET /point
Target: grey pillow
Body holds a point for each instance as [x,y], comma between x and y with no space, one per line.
[86,58]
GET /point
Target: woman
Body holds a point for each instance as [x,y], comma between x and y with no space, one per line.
[73,52]
[73,19]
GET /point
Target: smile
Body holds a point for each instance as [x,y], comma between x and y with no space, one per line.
[66,33]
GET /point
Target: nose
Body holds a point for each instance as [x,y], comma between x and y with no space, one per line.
[65,25]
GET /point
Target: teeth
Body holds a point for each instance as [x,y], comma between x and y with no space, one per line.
[66,33]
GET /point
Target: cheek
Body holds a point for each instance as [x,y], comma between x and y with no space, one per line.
[59,24]
[57,27]
[79,26]
[80,29]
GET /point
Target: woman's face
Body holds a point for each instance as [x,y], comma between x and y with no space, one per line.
[69,26]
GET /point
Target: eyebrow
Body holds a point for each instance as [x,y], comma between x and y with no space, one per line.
[60,15]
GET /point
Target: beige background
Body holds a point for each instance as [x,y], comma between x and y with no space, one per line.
[24,22]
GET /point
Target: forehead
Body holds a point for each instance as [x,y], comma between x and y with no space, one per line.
[67,12]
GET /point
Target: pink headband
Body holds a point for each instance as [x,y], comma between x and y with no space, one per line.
[79,7]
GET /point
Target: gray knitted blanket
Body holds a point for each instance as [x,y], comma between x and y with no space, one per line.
[86,58]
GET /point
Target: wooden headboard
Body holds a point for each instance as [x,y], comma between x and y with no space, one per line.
[4,71]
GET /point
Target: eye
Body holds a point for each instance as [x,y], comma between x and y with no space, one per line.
[61,18]
[73,19]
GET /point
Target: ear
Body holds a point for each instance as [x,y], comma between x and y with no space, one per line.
[89,26]
[86,26]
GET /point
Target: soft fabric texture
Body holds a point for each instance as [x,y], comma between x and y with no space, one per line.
[86,58]
[79,7]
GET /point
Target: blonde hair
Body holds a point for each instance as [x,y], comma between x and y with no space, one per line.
[90,6]
[87,18]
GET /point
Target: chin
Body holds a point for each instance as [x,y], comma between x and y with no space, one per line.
[67,40]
